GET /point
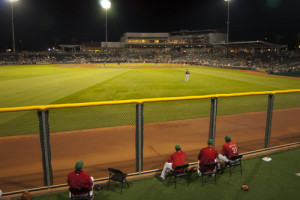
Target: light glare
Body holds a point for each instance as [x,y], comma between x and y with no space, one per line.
[105,3]
[13,1]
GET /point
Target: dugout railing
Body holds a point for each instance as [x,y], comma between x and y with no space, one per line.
[152,125]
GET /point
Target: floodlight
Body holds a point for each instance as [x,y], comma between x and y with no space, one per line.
[227,39]
[105,4]
[12,23]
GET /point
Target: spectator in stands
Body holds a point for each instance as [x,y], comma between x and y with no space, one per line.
[26,196]
[229,149]
[177,158]
[207,155]
[79,180]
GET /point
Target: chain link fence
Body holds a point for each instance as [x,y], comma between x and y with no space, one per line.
[20,149]
[169,123]
[245,122]
[40,145]
[285,119]
[101,136]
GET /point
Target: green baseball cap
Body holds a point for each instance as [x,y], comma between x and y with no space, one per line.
[79,165]
[227,138]
[210,141]
[177,147]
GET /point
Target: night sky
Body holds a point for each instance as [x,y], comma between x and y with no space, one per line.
[40,24]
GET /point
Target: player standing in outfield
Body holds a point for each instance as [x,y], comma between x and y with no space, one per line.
[207,155]
[187,75]
[176,159]
[229,149]
[119,64]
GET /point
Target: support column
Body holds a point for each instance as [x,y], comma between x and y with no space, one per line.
[45,146]
[269,120]
[213,118]
[139,137]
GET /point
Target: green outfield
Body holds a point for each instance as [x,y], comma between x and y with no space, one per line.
[50,84]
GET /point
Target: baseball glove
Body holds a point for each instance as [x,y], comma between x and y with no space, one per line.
[245,187]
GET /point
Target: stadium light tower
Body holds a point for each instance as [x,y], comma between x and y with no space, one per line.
[13,24]
[227,39]
[106,5]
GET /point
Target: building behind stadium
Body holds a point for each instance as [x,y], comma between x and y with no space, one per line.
[211,40]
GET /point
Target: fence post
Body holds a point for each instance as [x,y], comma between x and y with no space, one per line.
[45,146]
[139,137]
[269,120]
[213,118]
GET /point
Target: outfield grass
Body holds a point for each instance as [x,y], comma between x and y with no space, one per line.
[49,84]
[267,180]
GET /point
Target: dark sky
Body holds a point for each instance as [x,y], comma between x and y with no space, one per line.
[40,24]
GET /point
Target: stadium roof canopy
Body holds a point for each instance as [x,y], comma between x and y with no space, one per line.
[69,45]
[251,44]
[194,32]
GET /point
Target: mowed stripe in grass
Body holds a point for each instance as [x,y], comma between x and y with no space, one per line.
[75,85]
[49,86]
[262,82]
[38,85]
[151,83]
[133,84]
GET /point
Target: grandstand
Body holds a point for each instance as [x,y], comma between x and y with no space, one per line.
[202,47]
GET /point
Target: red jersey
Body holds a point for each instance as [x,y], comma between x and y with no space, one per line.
[79,179]
[177,158]
[207,155]
[229,149]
